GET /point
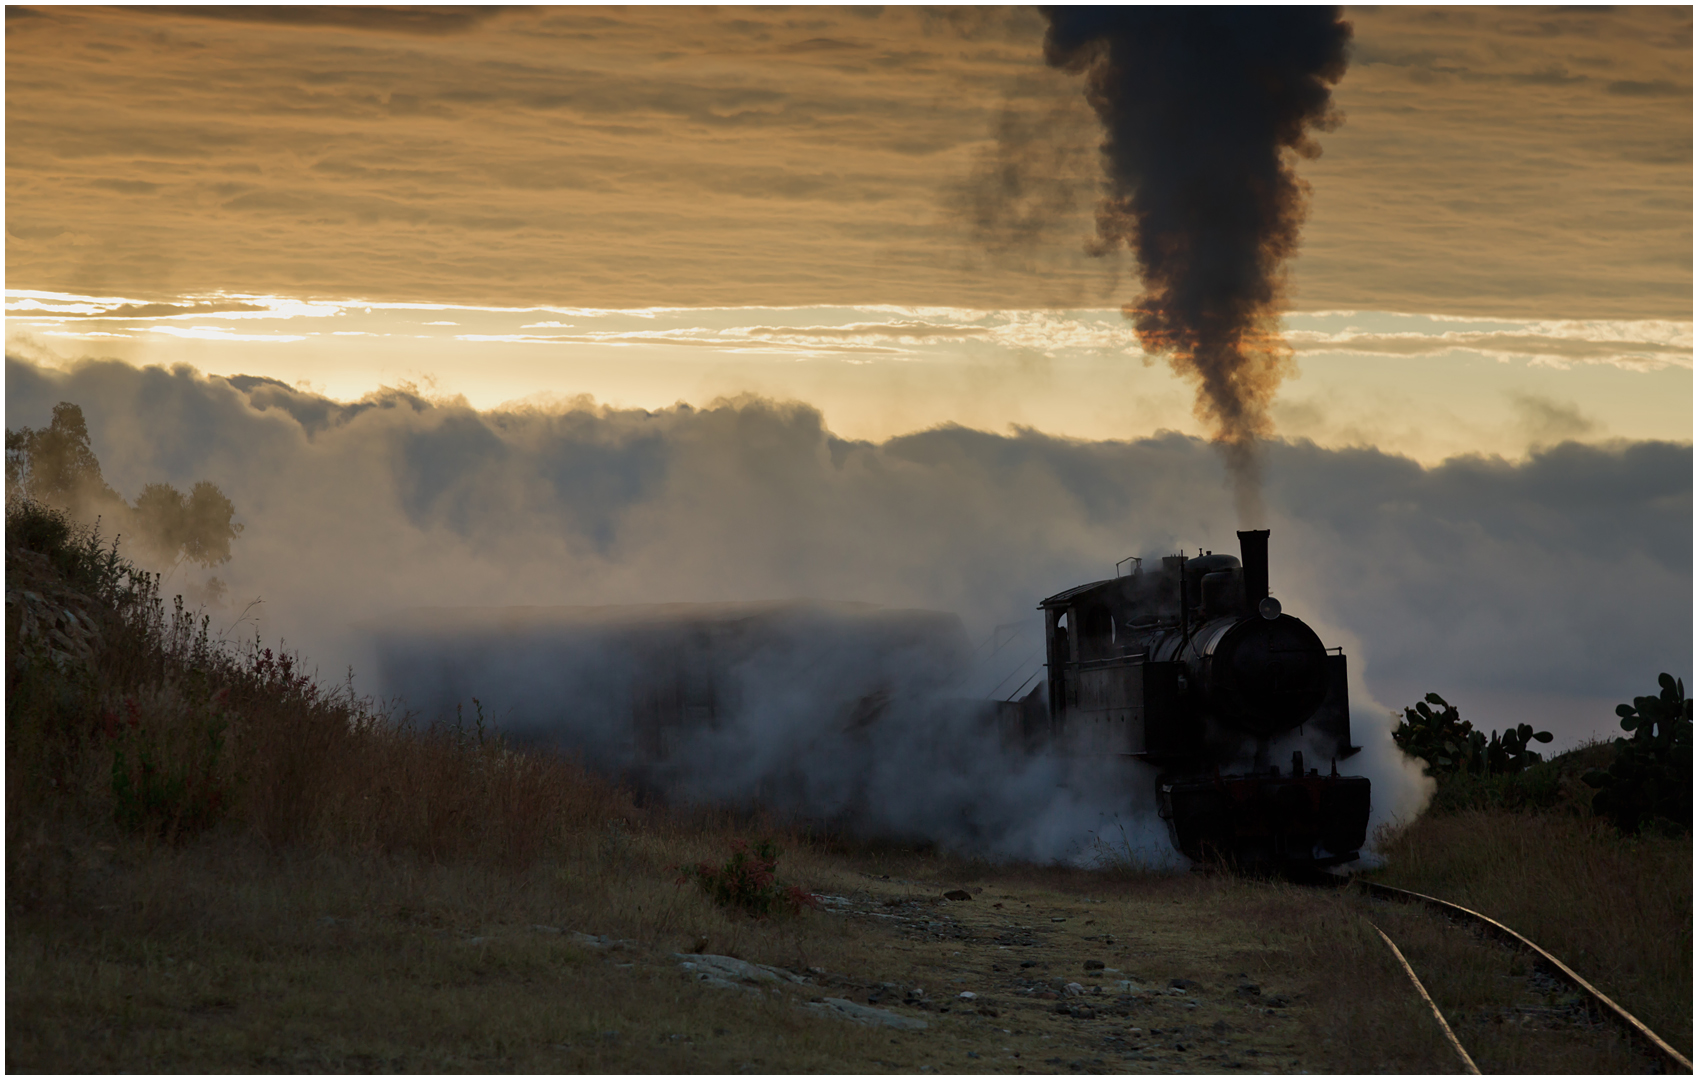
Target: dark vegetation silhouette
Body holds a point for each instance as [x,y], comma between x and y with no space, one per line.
[1651,776]
[55,466]
[1450,744]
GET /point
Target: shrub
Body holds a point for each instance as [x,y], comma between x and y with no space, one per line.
[748,882]
[1651,776]
[77,553]
[1554,785]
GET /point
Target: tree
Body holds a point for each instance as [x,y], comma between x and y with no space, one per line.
[197,528]
[55,465]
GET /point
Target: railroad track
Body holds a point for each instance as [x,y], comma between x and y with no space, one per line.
[1635,1027]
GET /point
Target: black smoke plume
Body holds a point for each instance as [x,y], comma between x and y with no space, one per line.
[1200,107]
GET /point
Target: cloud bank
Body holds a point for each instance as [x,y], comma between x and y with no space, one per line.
[1567,576]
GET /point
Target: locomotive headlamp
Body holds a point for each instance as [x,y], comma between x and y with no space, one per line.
[1269,608]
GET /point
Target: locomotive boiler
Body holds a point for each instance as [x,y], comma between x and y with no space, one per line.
[1195,669]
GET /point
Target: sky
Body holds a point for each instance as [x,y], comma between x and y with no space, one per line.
[574,305]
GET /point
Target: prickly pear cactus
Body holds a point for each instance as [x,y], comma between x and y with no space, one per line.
[1509,754]
[1450,744]
[1440,737]
[1651,776]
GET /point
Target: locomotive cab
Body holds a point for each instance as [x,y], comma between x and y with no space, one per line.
[1196,669]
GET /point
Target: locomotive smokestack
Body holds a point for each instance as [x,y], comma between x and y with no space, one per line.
[1253,549]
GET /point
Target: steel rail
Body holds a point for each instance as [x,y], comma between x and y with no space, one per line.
[1633,1024]
[1455,1043]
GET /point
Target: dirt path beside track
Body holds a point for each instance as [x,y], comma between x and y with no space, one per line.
[1062,982]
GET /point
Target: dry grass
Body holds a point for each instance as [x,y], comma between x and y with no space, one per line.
[221,955]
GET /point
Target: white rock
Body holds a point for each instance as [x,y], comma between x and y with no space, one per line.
[717,983]
[865,1014]
[729,967]
[967,995]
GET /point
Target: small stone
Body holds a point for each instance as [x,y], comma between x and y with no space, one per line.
[1181,984]
[958,894]
[1073,989]
[967,995]
[1093,965]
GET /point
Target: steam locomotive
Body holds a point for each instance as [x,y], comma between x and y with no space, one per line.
[1192,670]
[1196,670]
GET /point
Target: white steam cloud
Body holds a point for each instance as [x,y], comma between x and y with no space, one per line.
[846,716]
[1563,580]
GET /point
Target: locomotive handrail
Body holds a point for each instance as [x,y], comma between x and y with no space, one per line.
[1110,661]
[1025,684]
[1021,666]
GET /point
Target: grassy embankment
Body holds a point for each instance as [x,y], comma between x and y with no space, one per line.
[215,865]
